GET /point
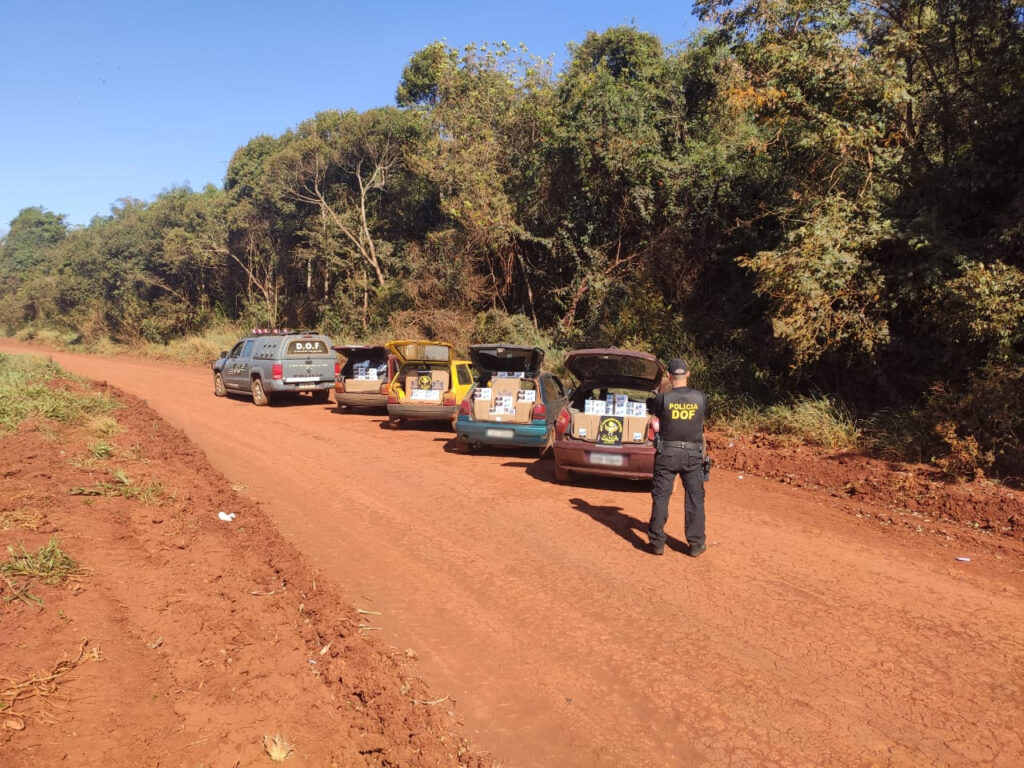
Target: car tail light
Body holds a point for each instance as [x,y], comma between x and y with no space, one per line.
[277,371]
[339,385]
[337,370]
[562,423]
[448,398]
[384,388]
[467,407]
[393,397]
[539,411]
[653,428]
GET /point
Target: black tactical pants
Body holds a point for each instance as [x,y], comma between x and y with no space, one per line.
[685,462]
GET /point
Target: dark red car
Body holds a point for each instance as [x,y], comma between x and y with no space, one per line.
[605,429]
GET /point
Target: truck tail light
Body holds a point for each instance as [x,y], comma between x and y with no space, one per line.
[385,388]
[539,411]
[562,423]
[277,371]
[337,370]
[448,398]
[467,407]
[653,428]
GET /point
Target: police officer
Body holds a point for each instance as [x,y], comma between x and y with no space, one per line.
[680,451]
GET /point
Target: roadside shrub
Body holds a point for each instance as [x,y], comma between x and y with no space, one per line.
[808,420]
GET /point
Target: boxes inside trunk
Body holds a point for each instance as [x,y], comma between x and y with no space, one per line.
[609,430]
[508,400]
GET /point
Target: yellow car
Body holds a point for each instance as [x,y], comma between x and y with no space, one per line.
[430,383]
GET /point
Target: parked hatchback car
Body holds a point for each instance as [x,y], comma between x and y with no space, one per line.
[605,429]
[430,382]
[365,379]
[511,403]
[270,363]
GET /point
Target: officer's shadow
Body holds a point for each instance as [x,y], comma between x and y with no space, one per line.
[632,530]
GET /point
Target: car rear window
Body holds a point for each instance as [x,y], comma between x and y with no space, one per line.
[307,347]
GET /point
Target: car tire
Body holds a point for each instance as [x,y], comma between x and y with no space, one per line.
[561,474]
[259,395]
[321,396]
[462,446]
[218,386]
[396,422]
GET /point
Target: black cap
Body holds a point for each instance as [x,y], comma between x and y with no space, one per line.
[677,367]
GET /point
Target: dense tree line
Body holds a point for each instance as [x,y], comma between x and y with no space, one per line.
[808,196]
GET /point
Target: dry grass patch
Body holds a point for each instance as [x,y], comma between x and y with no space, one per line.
[277,748]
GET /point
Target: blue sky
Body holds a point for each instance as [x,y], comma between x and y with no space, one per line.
[109,99]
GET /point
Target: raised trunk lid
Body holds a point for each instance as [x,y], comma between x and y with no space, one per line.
[506,358]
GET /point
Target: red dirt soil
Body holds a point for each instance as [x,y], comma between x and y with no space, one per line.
[829,623]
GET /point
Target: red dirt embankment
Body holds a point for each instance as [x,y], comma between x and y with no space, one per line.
[186,639]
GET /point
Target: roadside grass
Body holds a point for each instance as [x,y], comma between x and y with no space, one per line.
[817,421]
[123,486]
[26,392]
[49,565]
[197,349]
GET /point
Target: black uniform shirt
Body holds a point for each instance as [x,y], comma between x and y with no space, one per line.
[681,413]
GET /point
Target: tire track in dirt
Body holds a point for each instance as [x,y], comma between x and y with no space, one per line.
[803,637]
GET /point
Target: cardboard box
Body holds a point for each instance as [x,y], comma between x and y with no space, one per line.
[481,409]
[357,386]
[505,417]
[506,387]
[636,429]
[584,425]
[523,410]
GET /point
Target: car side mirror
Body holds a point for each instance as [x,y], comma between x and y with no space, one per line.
[223,354]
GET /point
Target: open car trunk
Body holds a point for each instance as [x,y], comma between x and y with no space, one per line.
[365,369]
[507,388]
[610,405]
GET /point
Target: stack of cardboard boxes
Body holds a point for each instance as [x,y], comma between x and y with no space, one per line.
[426,386]
[507,399]
[363,378]
[631,416]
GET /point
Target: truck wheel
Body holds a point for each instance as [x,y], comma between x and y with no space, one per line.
[561,474]
[259,395]
[218,386]
[321,396]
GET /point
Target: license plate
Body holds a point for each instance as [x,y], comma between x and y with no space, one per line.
[504,433]
[607,459]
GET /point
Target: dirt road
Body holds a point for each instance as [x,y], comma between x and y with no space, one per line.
[805,636]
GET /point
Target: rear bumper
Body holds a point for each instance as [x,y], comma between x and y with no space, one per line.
[490,433]
[633,462]
[422,412]
[361,399]
[277,386]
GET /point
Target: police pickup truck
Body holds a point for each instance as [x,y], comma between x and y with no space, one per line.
[270,363]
